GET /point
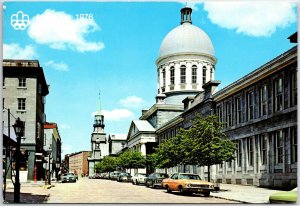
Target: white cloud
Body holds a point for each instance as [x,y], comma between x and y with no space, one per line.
[15,51]
[132,102]
[60,66]
[116,114]
[65,126]
[251,18]
[60,31]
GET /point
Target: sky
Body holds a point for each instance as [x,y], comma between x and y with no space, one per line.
[111,47]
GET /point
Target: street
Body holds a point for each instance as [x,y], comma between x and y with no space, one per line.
[107,191]
[102,191]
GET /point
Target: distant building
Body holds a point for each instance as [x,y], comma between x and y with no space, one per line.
[78,162]
[24,92]
[52,144]
[99,144]
[116,142]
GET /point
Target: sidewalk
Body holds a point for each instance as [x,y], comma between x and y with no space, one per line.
[31,192]
[244,194]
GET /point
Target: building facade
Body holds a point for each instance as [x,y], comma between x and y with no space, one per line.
[259,111]
[24,92]
[52,144]
[78,163]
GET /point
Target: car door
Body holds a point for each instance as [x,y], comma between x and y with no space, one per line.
[173,182]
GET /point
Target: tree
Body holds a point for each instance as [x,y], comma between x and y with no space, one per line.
[208,145]
[129,159]
[107,164]
[203,144]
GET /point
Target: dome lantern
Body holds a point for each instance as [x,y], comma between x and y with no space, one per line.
[186,15]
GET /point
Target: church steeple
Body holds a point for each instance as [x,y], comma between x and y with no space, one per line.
[186,15]
[99,119]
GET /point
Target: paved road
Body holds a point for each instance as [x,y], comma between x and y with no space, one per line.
[106,191]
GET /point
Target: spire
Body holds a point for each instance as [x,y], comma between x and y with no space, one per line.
[186,15]
[99,109]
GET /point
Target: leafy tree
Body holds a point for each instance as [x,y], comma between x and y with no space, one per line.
[107,164]
[210,145]
[203,144]
[128,160]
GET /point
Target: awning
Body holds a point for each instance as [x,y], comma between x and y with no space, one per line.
[8,141]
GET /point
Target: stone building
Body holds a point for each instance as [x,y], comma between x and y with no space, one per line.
[185,62]
[99,146]
[78,163]
[116,142]
[259,110]
[24,92]
[52,144]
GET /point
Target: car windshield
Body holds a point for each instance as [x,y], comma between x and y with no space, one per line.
[163,175]
[70,173]
[144,175]
[189,177]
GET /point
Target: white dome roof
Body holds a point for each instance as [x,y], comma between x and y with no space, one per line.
[186,38]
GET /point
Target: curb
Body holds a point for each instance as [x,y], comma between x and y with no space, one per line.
[47,186]
[225,198]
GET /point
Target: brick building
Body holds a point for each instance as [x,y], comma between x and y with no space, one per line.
[78,162]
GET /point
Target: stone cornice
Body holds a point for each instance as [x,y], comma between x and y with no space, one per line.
[187,56]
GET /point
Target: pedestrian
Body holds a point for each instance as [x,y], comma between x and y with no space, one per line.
[59,174]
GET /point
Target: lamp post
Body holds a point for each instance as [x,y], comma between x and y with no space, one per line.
[19,127]
[49,162]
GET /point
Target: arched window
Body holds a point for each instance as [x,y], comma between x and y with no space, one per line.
[204,75]
[172,75]
[164,77]
[194,74]
[182,74]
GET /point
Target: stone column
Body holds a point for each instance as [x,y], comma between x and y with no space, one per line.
[188,76]
[143,149]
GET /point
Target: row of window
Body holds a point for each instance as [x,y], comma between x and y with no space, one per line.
[22,82]
[183,75]
[234,113]
[262,146]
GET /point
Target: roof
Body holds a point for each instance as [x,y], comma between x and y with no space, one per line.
[186,38]
[143,126]
[50,125]
[118,136]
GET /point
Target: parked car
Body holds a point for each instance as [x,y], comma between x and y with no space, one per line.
[139,178]
[155,179]
[124,177]
[284,197]
[114,175]
[187,183]
[68,177]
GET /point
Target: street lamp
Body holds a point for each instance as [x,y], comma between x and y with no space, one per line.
[19,127]
[49,162]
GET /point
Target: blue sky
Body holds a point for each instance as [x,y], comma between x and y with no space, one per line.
[115,52]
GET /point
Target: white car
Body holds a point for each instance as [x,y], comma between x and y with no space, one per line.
[139,178]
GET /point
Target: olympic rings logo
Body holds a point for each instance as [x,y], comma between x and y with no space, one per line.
[19,21]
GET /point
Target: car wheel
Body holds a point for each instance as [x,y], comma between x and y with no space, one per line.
[147,185]
[132,182]
[206,194]
[168,189]
[180,189]
[136,182]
